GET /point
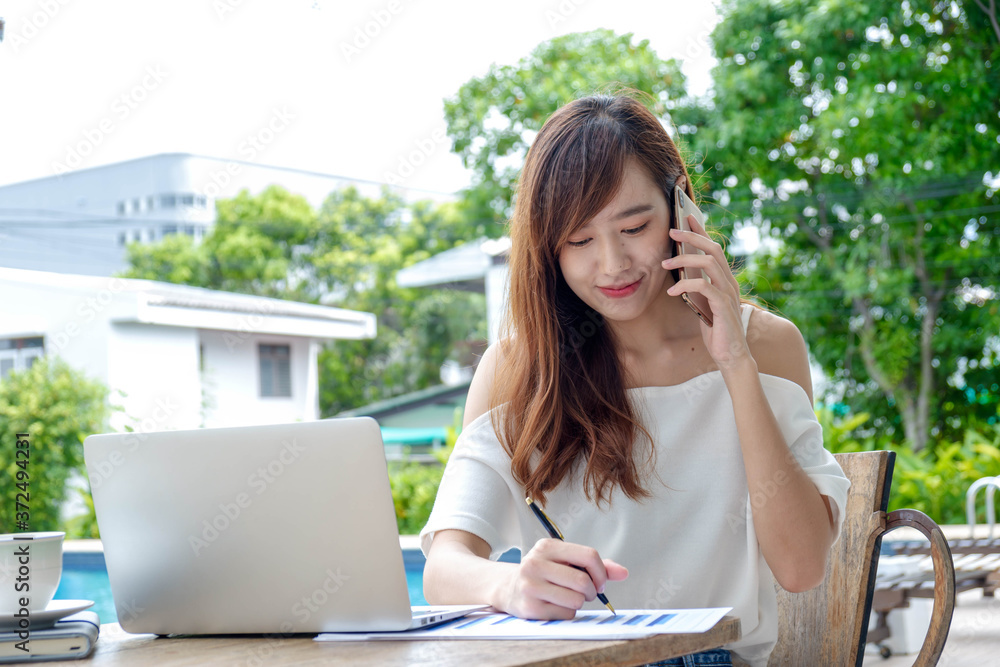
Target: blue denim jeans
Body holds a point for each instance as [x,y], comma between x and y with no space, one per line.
[715,658]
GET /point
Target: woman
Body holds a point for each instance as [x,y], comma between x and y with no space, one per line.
[683,462]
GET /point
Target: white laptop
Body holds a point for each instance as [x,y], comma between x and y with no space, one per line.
[286,528]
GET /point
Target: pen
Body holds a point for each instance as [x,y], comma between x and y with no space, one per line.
[555,534]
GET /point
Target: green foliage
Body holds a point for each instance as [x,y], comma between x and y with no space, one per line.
[253,248]
[83,526]
[862,138]
[493,119]
[175,259]
[346,255]
[415,485]
[934,480]
[417,328]
[57,407]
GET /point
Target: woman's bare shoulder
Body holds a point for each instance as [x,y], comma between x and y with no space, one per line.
[481,390]
[779,349]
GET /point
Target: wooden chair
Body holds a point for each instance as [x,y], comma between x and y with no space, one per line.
[829,625]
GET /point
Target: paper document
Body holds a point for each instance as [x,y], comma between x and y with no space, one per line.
[628,624]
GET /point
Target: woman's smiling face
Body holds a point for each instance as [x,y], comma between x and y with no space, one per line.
[613,262]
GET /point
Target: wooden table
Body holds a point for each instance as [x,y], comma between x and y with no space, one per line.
[116,647]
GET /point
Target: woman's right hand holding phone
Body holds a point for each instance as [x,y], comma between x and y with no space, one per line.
[548,585]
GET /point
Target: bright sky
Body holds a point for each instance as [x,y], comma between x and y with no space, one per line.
[119,79]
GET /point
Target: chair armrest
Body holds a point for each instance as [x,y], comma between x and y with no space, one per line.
[944,581]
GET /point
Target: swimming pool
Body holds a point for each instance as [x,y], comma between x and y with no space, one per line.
[85,577]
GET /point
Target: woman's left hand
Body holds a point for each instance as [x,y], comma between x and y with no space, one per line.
[725,339]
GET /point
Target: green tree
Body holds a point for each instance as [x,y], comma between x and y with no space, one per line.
[365,242]
[493,119]
[175,259]
[859,138]
[346,255]
[57,407]
[255,247]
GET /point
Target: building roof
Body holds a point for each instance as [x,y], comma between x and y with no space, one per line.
[430,408]
[238,172]
[462,267]
[154,302]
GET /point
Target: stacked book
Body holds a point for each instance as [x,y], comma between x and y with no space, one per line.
[70,637]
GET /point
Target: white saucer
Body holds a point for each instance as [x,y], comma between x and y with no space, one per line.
[44,618]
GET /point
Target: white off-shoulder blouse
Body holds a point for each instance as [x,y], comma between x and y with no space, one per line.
[692,543]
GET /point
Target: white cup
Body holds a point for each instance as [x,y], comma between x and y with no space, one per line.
[30,569]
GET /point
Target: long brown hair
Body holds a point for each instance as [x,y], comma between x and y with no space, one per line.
[560,380]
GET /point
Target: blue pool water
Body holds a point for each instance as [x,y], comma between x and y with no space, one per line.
[85,577]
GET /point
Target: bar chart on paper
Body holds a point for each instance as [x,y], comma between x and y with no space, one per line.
[593,625]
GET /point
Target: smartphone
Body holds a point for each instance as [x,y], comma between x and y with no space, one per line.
[683,207]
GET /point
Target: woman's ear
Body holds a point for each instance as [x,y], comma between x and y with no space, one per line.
[681,182]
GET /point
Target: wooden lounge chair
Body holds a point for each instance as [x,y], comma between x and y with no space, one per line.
[829,625]
[976,563]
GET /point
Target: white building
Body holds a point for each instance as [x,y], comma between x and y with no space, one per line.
[175,357]
[478,266]
[80,221]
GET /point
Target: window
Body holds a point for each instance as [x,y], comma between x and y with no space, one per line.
[275,371]
[187,200]
[150,202]
[122,238]
[169,229]
[121,208]
[168,201]
[18,354]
